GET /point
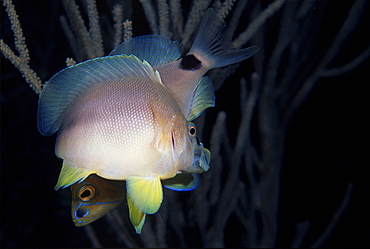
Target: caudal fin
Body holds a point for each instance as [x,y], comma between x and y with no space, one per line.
[212,47]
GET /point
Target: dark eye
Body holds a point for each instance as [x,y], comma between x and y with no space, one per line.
[192,130]
[86,193]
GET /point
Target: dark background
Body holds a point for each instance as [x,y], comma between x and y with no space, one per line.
[327,147]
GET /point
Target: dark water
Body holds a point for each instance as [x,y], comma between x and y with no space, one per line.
[327,145]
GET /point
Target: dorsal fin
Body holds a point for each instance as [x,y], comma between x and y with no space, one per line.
[69,83]
[203,98]
[155,49]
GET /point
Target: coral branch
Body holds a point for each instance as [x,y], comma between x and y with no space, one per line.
[118,24]
[338,214]
[21,62]
[252,28]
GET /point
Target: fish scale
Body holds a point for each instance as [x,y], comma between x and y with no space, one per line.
[114,123]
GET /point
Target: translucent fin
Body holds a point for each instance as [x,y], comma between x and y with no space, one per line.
[70,174]
[202,158]
[211,46]
[182,182]
[136,216]
[155,49]
[69,83]
[145,192]
[204,97]
[163,135]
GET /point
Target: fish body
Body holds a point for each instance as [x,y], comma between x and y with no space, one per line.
[127,116]
[126,127]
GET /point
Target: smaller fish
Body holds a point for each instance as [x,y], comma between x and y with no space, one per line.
[95,196]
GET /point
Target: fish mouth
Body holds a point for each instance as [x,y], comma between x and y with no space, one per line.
[81,212]
[78,214]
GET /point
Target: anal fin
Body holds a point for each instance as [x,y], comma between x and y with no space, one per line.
[136,216]
[145,192]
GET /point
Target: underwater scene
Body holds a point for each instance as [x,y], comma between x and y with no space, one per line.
[184,123]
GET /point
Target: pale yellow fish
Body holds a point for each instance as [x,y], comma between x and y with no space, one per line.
[127,116]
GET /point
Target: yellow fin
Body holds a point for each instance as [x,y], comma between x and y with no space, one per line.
[145,192]
[136,216]
[70,174]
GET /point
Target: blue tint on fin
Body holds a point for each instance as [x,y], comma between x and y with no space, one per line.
[203,98]
[182,182]
[155,49]
[202,158]
[69,83]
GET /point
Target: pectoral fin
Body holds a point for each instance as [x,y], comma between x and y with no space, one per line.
[203,98]
[70,174]
[136,216]
[145,192]
[182,182]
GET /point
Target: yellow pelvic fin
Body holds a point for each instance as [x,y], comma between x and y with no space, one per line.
[70,174]
[136,216]
[145,192]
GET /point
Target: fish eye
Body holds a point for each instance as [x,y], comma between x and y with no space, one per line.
[86,193]
[192,130]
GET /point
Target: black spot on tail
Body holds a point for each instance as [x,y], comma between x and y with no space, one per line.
[190,62]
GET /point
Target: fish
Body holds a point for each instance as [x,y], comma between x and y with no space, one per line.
[128,116]
[95,197]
